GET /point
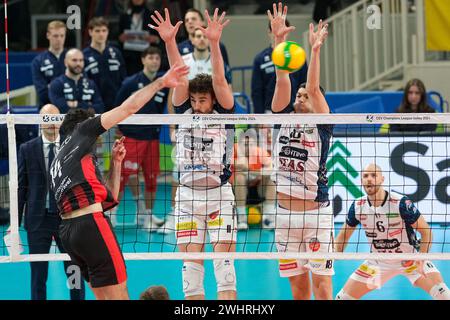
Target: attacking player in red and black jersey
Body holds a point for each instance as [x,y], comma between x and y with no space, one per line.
[83,196]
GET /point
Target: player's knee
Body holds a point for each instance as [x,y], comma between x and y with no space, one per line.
[440,292]
[342,295]
[225,275]
[193,275]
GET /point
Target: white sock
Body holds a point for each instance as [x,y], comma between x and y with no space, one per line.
[269,210]
[440,292]
[242,213]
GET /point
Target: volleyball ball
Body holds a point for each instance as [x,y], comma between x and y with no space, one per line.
[288,56]
[254,215]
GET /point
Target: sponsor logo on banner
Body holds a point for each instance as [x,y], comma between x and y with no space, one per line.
[314,244]
[55,118]
[394,233]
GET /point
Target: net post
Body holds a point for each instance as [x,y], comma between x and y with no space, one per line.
[13,189]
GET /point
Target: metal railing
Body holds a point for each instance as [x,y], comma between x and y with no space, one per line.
[357,56]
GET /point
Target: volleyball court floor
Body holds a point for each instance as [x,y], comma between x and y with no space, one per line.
[256,279]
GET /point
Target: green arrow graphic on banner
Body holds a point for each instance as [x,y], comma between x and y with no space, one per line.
[337,175]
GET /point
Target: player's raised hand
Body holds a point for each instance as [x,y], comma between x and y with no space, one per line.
[166,30]
[118,150]
[278,22]
[173,77]
[215,26]
[317,38]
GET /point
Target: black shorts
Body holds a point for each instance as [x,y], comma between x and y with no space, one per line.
[92,245]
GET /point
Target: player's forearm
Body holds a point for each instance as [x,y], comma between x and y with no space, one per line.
[282,93]
[138,99]
[218,67]
[113,182]
[173,55]
[313,78]
[426,240]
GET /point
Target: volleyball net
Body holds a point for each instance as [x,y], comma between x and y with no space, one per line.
[246,154]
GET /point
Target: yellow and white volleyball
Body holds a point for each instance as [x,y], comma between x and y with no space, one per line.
[288,56]
[254,215]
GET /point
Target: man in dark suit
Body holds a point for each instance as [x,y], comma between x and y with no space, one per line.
[41,214]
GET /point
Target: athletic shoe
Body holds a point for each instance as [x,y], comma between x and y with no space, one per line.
[242,225]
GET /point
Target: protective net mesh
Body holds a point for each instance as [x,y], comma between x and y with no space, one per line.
[214,178]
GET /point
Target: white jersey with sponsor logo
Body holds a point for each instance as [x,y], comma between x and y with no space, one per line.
[197,66]
[203,152]
[389,226]
[299,156]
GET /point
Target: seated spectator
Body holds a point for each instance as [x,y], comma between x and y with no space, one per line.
[104,63]
[263,78]
[155,293]
[49,64]
[252,167]
[414,101]
[72,89]
[136,36]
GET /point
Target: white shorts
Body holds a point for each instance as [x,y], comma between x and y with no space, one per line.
[198,212]
[376,273]
[309,231]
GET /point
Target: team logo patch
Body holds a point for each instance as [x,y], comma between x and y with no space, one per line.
[314,244]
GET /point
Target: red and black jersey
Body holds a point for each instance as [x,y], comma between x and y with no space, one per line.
[76,178]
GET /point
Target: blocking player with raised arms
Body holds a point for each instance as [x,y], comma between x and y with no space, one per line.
[204,199]
[304,219]
[390,221]
[83,196]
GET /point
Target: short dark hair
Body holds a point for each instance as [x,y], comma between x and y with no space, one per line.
[151,50]
[287,25]
[98,22]
[196,11]
[73,117]
[155,293]
[303,85]
[202,83]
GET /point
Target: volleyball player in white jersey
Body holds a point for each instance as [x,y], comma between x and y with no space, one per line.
[304,220]
[204,200]
[390,221]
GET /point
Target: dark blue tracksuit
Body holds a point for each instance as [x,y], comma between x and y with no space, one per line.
[44,68]
[264,79]
[155,105]
[64,89]
[107,69]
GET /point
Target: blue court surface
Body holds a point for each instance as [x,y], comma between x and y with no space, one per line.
[256,279]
